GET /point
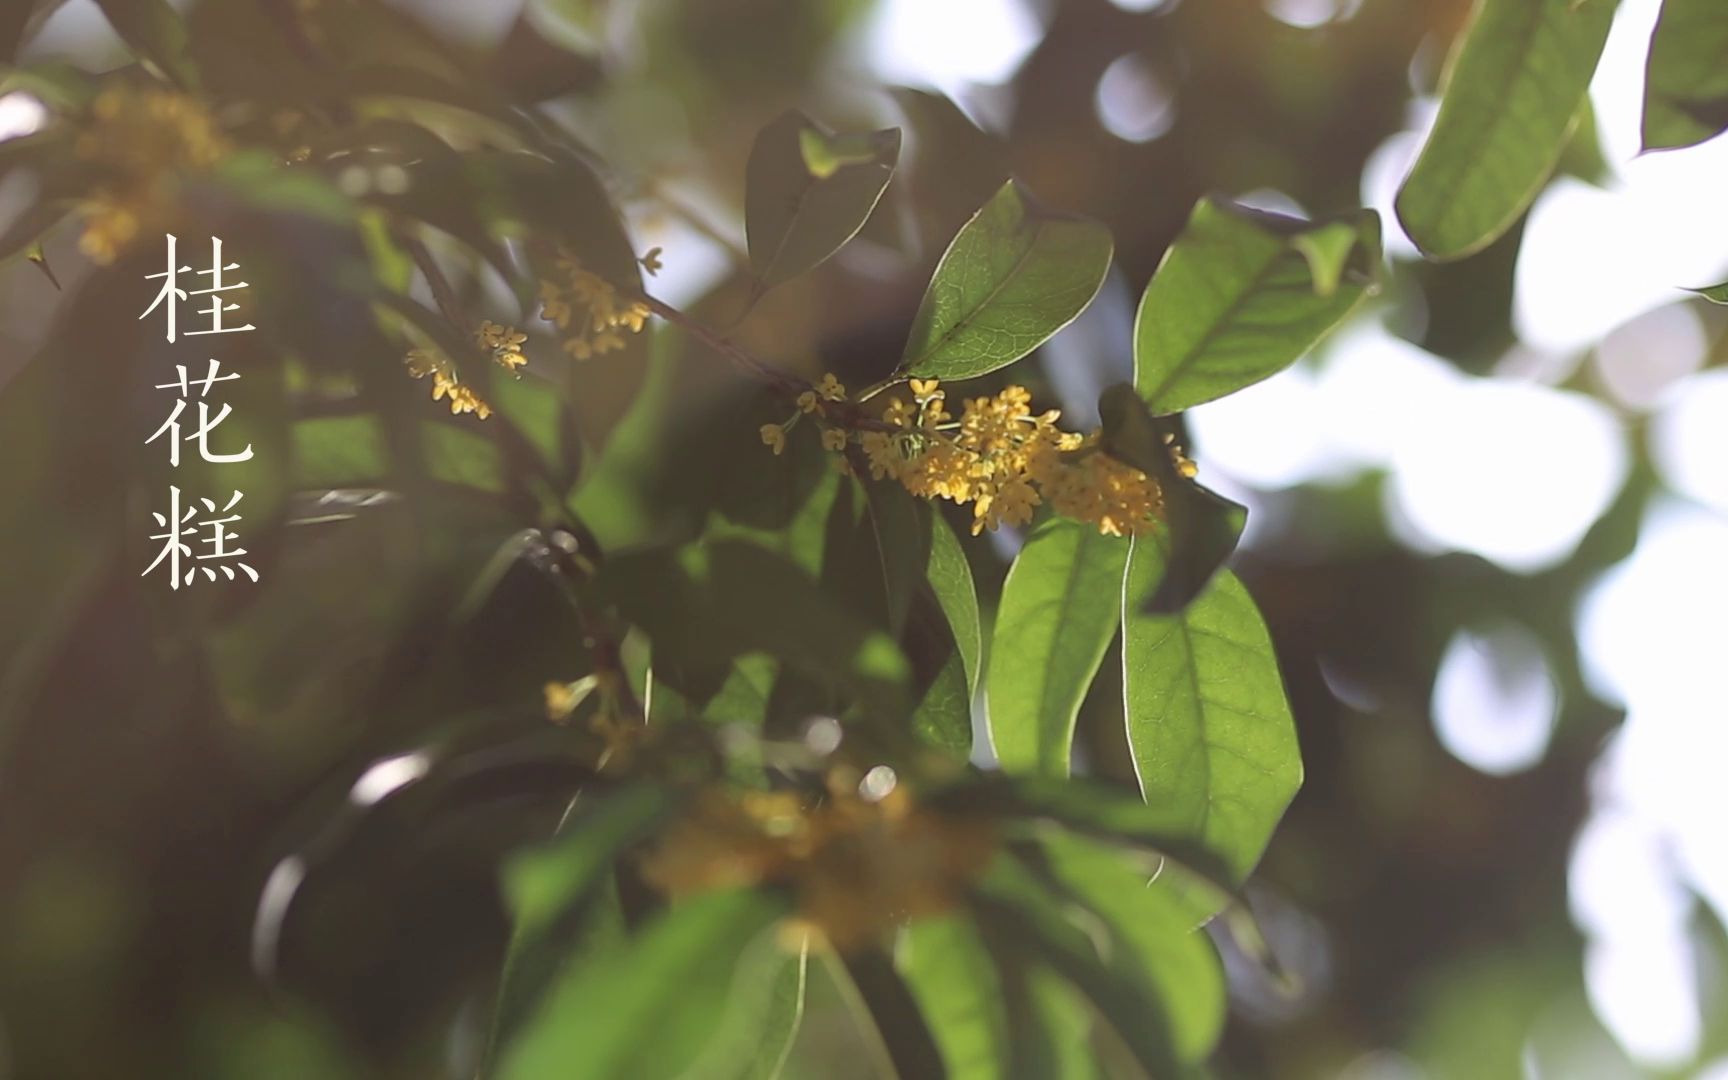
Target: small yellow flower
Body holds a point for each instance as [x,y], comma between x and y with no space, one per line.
[923,389]
[830,389]
[833,439]
[774,436]
[809,402]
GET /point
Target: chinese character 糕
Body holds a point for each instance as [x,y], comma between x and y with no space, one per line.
[178,524]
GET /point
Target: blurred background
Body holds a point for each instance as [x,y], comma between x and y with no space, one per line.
[1489,528]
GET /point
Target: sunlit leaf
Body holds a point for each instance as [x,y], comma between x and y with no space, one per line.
[950,577]
[1211,733]
[1241,295]
[1517,80]
[1016,273]
[1716,294]
[1058,615]
[653,1007]
[1686,82]
[808,191]
[948,966]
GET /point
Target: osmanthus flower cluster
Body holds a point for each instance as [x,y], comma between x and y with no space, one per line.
[861,858]
[589,309]
[138,141]
[997,455]
[505,344]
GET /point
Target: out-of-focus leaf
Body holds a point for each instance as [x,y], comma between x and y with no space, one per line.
[1016,907]
[899,534]
[1516,80]
[943,714]
[1686,81]
[948,967]
[707,603]
[762,1056]
[466,458]
[808,191]
[1202,527]
[1716,294]
[955,166]
[1241,295]
[156,33]
[1049,1023]
[339,451]
[258,180]
[1213,741]
[1093,809]
[1016,273]
[1058,615]
[653,1007]
[552,893]
[888,1013]
[1156,935]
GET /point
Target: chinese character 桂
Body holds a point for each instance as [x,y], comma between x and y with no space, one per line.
[178,553]
[172,295]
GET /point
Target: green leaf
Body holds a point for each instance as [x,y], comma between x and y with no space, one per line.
[1202,526]
[155,32]
[652,1008]
[948,967]
[1057,617]
[1686,82]
[553,893]
[1211,734]
[1516,82]
[1716,294]
[950,577]
[808,191]
[1016,908]
[339,451]
[707,603]
[1155,927]
[1241,295]
[1016,273]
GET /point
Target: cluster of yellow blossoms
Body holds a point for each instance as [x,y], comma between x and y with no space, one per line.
[860,860]
[997,455]
[137,139]
[505,342]
[588,308]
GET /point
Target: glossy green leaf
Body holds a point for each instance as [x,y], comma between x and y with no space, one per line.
[950,577]
[948,966]
[1241,295]
[1516,82]
[1156,930]
[1016,273]
[1050,1024]
[1213,741]
[155,32]
[1057,616]
[654,1007]
[808,191]
[1201,527]
[1686,82]
[1716,294]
